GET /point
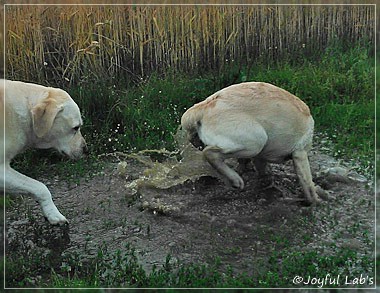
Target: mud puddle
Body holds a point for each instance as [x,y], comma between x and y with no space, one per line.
[197,221]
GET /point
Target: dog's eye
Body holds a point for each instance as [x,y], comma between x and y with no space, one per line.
[76,128]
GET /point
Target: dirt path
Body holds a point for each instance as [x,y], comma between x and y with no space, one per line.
[207,220]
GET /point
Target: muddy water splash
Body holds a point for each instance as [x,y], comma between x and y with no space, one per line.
[187,163]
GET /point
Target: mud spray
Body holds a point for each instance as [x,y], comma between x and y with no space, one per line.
[185,164]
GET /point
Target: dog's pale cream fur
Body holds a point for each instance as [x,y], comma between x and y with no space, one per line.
[36,117]
[254,120]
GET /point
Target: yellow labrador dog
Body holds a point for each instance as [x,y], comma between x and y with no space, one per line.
[253,120]
[38,117]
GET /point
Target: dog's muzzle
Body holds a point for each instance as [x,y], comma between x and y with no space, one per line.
[196,142]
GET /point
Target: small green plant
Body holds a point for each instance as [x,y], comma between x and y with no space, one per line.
[128,117]
[122,116]
[122,269]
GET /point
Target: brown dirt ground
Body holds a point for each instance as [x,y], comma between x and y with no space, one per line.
[209,220]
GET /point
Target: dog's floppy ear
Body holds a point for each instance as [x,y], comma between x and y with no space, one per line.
[43,115]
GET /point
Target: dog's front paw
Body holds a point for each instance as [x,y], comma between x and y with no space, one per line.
[237,182]
[55,217]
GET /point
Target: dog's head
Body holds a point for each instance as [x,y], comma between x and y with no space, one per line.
[56,122]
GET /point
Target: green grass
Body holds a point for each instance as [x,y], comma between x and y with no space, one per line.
[338,87]
[48,163]
[122,270]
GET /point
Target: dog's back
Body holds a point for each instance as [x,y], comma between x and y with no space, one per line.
[283,116]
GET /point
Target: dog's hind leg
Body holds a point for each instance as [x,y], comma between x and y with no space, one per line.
[265,179]
[261,167]
[302,167]
[243,165]
[19,183]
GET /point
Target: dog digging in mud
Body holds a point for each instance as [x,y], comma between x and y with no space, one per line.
[253,120]
[39,117]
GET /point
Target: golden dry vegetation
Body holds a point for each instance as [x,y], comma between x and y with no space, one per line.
[71,43]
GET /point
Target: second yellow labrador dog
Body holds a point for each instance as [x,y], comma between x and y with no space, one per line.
[253,120]
[34,116]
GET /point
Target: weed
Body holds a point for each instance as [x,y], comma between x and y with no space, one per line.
[341,98]
[122,269]
[339,88]
[129,117]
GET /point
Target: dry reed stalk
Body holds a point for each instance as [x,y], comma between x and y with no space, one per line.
[76,43]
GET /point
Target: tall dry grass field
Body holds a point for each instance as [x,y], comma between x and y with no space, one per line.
[77,43]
